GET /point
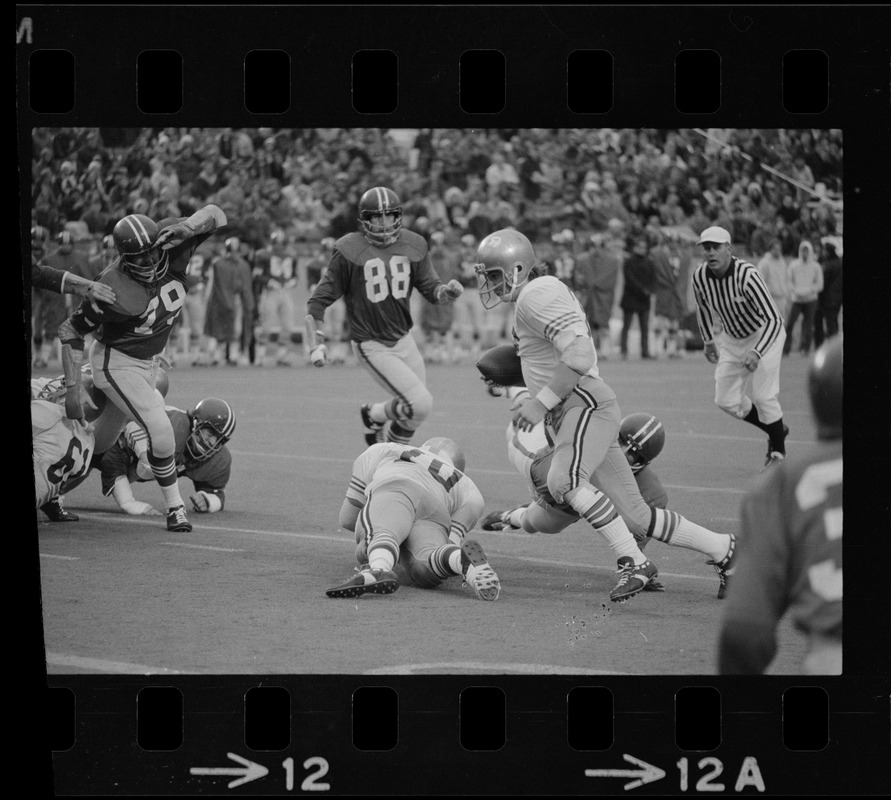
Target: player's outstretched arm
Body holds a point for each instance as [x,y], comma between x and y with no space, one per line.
[123,496]
[204,220]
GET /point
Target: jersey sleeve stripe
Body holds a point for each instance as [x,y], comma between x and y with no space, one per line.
[561,323]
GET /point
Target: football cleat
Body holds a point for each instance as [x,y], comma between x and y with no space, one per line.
[367,421]
[724,567]
[497,521]
[633,579]
[366,581]
[478,575]
[53,509]
[775,456]
[177,520]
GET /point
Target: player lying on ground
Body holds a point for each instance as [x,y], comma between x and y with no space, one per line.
[201,456]
[414,502]
[640,439]
[97,420]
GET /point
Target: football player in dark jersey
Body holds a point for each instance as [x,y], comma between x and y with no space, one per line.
[150,284]
[790,545]
[275,269]
[201,456]
[376,271]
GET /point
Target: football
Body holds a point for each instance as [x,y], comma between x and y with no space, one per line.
[501,365]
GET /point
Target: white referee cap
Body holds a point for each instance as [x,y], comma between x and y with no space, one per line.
[715,234]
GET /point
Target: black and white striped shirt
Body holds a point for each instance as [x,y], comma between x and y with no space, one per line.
[738,301]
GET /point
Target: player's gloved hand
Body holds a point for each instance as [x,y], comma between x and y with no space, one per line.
[449,291]
[319,355]
[200,502]
[137,508]
[711,352]
[529,413]
[494,389]
[751,360]
[174,235]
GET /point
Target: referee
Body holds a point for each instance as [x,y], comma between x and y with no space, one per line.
[743,334]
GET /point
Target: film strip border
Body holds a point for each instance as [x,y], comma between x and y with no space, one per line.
[500,67]
[468,734]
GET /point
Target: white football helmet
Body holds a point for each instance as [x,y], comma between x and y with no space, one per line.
[447,449]
[506,261]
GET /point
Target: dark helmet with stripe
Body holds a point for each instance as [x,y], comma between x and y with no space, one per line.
[213,423]
[642,438]
[825,388]
[134,237]
[374,206]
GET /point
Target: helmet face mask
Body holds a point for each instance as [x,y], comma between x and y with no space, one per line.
[506,263]
[380,215]
[642,438]
[134,237]
[213,423]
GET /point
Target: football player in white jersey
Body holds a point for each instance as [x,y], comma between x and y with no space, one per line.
[559,363]
[414,502]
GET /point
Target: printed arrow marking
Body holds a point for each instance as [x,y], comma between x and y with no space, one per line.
[647,774]
[249,772]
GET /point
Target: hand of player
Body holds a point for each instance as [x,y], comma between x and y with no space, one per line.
[711,352]
[174,235]
[751,360]
[76,400]
[200,502]
[99,292]
[494,389]
[529,413]
[319,355]
[144,470]
[450,291]
[137,508]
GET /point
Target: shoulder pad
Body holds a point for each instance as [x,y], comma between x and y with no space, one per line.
[414,242]
[351,246]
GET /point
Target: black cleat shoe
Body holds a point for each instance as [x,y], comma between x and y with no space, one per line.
[366,581]
[724,567]
[177,520]
[53,509]
[633,579]
[367,421]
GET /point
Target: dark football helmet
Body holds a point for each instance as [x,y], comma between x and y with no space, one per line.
[374,206]
[642,437]
[134,237]
[825,388]
[506,260]
[213,423]
[447,448]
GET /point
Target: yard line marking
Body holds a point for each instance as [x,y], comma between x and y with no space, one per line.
[61,558]
[482,666]
[103,665]
[204,547]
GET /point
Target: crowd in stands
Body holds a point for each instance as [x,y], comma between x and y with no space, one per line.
[571,191]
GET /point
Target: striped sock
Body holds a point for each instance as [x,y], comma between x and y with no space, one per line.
[393,432]
[164,470]
[445,561]
[383,551]
[598,510]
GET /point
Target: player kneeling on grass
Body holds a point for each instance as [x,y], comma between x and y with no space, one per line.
[415,501]
[201,456]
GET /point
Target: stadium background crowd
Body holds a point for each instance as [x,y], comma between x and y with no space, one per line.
[584,197]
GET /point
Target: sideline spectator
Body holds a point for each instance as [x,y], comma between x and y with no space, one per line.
[805,285]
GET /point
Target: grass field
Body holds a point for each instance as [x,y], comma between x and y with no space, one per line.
[244,592]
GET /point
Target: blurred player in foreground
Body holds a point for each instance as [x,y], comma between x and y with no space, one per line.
[790,555]
[633,487]
[376,271]
[559,366]
[150,285]
[201,456]
[416,502]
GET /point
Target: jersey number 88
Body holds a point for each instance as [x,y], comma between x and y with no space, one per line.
[378,287]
